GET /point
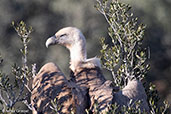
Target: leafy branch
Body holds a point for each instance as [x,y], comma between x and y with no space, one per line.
[125,56]
[18,90]
[25,72]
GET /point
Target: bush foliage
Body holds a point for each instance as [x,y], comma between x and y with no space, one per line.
[17,90]
[125,56]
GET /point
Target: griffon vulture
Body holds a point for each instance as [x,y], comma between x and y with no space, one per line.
[87,79]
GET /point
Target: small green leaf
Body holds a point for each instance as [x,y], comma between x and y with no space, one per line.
[13,23]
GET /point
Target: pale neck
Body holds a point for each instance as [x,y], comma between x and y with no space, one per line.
[78,53]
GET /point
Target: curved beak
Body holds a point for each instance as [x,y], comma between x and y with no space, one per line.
[51,41]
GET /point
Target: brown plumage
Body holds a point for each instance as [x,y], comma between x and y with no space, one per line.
[87,84]
[50,83]
[93,81]
[133,91]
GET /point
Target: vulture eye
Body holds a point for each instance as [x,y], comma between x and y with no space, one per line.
[63,35]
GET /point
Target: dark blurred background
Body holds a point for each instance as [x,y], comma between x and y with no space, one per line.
[48,16]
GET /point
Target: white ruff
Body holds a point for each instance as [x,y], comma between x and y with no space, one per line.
[78,55]
[78,58]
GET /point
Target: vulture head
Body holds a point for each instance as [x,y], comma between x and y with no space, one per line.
[73,39]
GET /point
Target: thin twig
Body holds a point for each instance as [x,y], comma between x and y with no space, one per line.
[2,99]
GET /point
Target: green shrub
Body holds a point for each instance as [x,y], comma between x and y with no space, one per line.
[14,87]
[123,54]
